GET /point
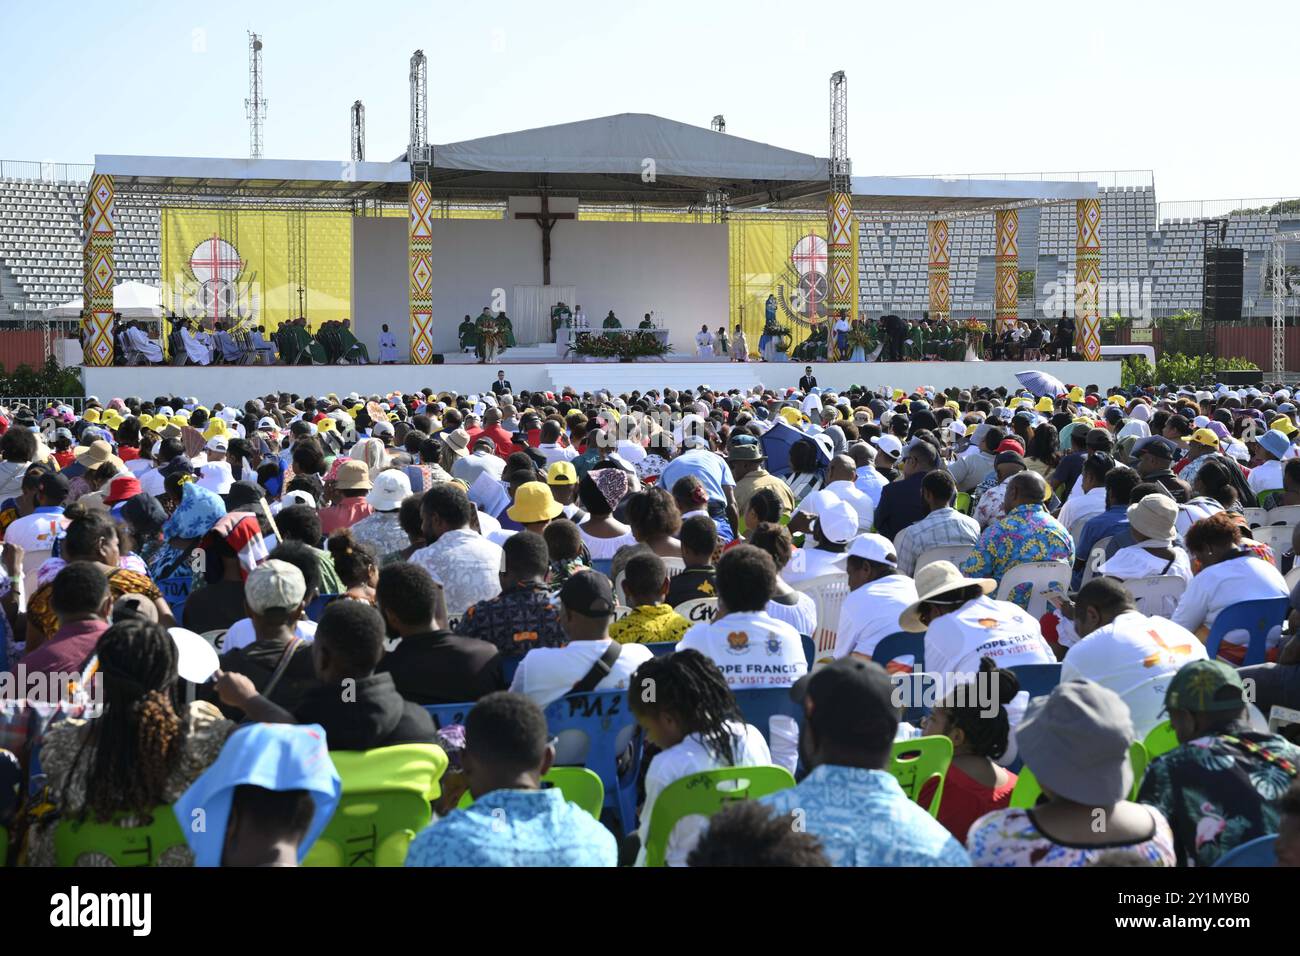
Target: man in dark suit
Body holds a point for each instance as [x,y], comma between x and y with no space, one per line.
[900,501]
[502,384]
[809,380]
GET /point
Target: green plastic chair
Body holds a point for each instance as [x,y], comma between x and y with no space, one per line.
[914,763]
[125,846]
[1161,740]
[385,802]
[1028,792]
[578,784]
[705,793]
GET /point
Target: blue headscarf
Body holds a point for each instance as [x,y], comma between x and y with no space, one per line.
[199,510]
[271,756]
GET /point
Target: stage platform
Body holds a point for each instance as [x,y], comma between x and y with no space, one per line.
[234,384]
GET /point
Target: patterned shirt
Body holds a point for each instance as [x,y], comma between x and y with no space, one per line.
[649,624]
[516,621]
[382,532]
[1026,533]
[466,564]
[515,828]
[1011,838]
[863,818]
[939,529]
[1220,791]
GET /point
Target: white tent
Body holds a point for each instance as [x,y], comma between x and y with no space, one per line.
[132,300]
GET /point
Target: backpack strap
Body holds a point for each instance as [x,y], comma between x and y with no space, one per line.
[599,670]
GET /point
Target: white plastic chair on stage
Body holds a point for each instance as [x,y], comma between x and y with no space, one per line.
[1157,594]
[828,592]
[956,553]
[1040,574]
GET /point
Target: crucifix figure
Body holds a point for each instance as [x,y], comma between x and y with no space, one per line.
[547,220]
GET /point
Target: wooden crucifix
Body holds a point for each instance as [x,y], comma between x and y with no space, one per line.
[547,220]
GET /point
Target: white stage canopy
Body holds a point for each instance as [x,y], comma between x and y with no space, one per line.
[626,158]
[131,300]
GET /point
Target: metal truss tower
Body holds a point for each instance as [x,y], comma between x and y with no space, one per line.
[841,169]
[358,132]
[1279,300]
[418,153]
[255,105]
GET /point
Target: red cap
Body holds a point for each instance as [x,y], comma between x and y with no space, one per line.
[1011,444]
[122,488]
[1090,401]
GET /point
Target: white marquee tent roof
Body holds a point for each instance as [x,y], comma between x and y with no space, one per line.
[133,300]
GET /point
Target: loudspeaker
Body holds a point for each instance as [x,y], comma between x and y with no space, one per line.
[1255,377]
[1221,290]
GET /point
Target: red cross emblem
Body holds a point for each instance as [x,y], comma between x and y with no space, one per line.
[216,265]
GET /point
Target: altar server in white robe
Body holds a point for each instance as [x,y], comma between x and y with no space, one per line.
[141,342]
[387,347]
[704,342]
[195,350]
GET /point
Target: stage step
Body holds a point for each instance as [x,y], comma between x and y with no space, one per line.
[625,376]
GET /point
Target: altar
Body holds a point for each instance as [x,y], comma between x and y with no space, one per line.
[564,337]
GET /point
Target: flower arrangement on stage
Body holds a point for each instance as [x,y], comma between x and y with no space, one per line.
[861,336]
[625,346]
[781,335]
[973,330]
[973,325]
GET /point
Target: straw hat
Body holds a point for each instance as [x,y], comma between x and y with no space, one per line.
[932,582]
[96,453]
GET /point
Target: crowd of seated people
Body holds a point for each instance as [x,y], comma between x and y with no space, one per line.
[191,592]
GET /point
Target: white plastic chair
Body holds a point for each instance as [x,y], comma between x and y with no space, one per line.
[1076,529]
[956,553]
[1277,537]
[828,592]
[1040,574]
[1293,578]
[1288,515]
[698,609]
[1157,594]
[1096,558]
[1255,516]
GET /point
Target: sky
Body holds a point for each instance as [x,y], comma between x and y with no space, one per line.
[1192,92]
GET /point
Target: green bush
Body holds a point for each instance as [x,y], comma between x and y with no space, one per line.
[1175,368]
[49,379]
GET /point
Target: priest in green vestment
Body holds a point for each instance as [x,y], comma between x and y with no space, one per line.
[468,333]
[507,330]
[353,348]
[612,322]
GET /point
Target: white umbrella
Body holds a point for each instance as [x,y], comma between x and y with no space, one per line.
[1040,384]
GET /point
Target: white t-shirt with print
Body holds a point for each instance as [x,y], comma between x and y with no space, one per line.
[1135,656]
[751,648]
[871,612]
[681,760]
[548,673]
[983,627]
[1265,477]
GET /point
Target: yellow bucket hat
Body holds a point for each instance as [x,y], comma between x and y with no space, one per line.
[1283,425]
[1045,404]
[1076,394]
[91,415]
[215,427]
[177,421]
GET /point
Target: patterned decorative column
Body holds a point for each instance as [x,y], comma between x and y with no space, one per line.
[419,247]
[840,291]
[940,301]
[1087,278]
[99,272]
[1006,286]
